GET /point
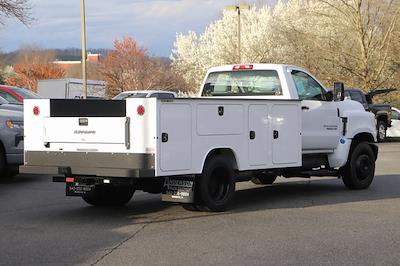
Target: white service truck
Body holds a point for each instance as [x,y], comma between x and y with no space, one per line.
[250,122]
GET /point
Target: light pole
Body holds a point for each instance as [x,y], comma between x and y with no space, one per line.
[238,9]
[83,31]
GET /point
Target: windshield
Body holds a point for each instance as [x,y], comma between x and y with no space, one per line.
[26,94]
[125,95]
[246,83]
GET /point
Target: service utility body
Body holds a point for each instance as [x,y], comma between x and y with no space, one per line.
[250,122]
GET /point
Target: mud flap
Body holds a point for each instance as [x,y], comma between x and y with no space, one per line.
[178,189]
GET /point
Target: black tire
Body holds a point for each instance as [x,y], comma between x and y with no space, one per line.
[191,207]
[108,195]
[215,188]
[359,170]
[381,128]
[264,179]
[3,164]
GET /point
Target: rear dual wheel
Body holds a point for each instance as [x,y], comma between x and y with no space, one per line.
[215,188]
[109,195]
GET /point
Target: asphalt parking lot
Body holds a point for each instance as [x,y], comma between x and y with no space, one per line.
[293,222]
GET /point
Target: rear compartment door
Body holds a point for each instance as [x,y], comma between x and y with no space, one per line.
[175,136]
[105,130]
[87,121]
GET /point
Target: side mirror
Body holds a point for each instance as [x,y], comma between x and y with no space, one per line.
[329,96]
[338,91]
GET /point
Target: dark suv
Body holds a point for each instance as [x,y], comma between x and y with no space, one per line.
[383,112]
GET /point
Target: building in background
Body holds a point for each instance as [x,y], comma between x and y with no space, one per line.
[71,66]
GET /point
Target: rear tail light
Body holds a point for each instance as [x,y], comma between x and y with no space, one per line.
[36,110]
[242,67]
[140,110]
[69,180]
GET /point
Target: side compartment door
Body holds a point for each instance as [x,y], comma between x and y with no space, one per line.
[175,136]
[286,138]
[259,135]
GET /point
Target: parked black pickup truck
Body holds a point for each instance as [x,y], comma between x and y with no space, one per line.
[383,112]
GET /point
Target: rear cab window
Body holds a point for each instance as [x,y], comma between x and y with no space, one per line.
[242,83]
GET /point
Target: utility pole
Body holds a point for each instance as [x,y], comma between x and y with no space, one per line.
[238,8]
[83,31]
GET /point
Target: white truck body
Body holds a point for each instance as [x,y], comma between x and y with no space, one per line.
[283,129]
[194,129]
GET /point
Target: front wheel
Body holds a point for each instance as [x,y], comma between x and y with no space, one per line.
[215,188]
[108,195]
[381,130]
[359,170]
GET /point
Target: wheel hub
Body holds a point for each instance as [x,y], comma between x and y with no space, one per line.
[364,167]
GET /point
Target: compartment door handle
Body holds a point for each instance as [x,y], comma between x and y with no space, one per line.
[164,137]
[252,134]
[276,134]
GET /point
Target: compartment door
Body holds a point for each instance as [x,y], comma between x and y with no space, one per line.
[175,136]
[258,135]
[286,138]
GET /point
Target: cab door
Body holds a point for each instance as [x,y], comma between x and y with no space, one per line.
[320,119]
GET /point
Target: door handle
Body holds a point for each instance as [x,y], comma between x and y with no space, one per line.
[276,134]
[305,108]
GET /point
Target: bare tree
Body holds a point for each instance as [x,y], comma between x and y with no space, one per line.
[19,9]
[352,40]
[129,67]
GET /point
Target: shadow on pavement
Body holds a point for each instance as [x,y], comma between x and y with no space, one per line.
[69,226]
[300,194]
[17,179]
[314,193]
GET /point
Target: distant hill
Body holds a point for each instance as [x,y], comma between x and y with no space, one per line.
[68,54]
[74,54]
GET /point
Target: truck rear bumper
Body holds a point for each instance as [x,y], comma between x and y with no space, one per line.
[91,164]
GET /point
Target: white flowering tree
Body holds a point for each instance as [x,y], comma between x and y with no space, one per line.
[194,54]
[356,41]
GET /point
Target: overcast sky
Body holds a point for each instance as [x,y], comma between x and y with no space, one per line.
[153,23]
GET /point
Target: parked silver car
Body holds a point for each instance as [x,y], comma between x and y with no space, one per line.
[11,140]
[6,105]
